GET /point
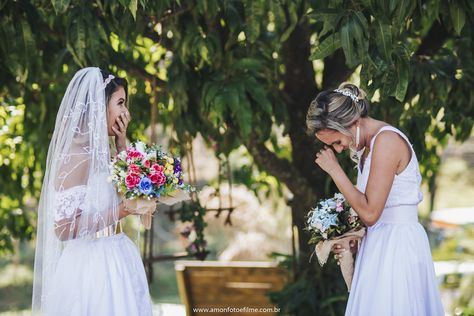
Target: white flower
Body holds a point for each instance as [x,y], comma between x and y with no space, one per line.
[331,204]
[122,155]
[319,226]
[140,146]
[339,196]
[150,155]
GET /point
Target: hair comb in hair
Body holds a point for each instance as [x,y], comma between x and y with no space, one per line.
[348,94]
[107,81]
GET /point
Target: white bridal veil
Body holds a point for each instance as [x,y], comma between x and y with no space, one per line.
[76,199]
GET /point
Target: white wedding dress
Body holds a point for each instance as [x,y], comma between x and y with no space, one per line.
[99,276]
[394,273]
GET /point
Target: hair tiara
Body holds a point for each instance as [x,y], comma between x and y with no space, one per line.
[348,94]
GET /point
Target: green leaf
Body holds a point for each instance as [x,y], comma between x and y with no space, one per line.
[330,18]
[293,15]
[393,5]
[390,81]
[132,6]
[346,43]
[405,9]
[403,73]
[125,3]
[60,6]
[362,21]
[248,64]
[240,108]
[257,92]
[210,90]
[383,39]
[76,41]
[326,47]
[254,13]
[361,43]
[458,17]
[216,110]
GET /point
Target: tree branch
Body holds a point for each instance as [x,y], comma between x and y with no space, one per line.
[133,68]
[282,169]
[335,70]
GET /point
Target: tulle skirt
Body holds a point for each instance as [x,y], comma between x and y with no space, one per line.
[394,272]
[103,276]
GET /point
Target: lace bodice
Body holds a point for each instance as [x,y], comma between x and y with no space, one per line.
[406,185]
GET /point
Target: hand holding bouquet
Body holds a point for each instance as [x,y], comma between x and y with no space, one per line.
[145,174]
[331,222]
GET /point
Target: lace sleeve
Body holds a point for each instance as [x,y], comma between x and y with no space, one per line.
[69,202]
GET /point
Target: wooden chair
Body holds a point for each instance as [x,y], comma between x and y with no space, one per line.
[238,285]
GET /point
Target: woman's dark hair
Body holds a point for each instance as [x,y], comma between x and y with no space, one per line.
[113,85]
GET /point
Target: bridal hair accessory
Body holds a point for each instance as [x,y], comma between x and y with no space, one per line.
[107,81]
[348,94]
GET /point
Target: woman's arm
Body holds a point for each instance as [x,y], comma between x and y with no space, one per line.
[388,151]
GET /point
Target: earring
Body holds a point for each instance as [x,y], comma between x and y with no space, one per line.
[357,136]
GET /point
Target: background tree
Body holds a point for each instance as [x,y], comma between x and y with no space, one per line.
[232,71]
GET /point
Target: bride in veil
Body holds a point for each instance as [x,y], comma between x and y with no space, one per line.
[84,264]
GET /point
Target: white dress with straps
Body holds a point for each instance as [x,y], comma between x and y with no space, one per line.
[394,272]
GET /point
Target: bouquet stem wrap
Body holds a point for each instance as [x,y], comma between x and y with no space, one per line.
[143,207]
[324,247]
[171,199]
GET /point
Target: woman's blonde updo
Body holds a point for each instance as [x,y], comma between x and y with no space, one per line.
[337,109]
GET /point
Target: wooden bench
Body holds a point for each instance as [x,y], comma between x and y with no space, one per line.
[238,285]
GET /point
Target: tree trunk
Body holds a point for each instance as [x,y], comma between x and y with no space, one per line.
[300,90]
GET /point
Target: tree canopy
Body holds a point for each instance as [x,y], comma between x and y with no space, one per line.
[232,71]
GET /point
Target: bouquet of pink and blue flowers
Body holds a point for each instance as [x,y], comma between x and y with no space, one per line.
[332,222]
[145,172]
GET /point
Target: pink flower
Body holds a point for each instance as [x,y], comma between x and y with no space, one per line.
[158,178]
[132,180]
[146,163]
[134,154]
[133,168]
[339,209]
[157,168]
[351,219]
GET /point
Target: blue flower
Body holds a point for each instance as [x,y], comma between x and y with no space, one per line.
[331,203]
[329,220]
[145,186]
